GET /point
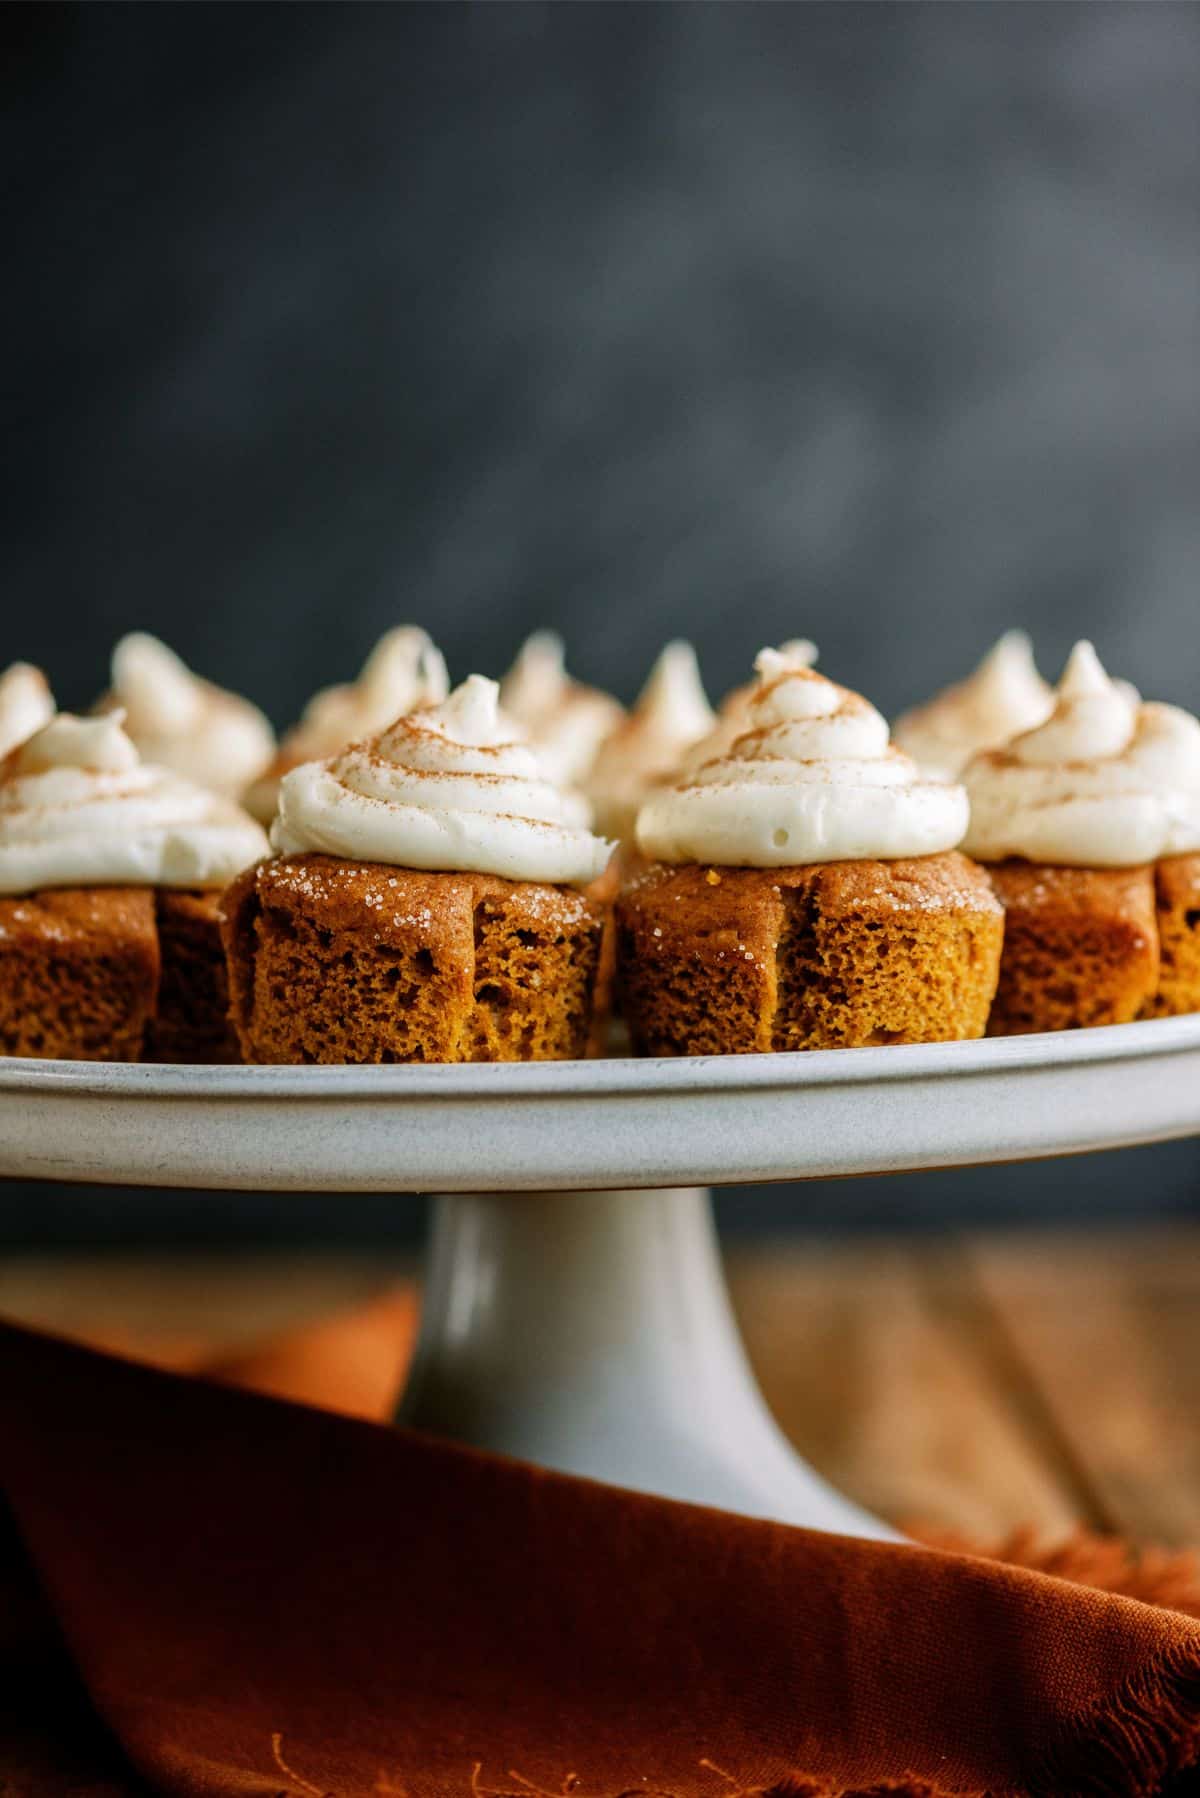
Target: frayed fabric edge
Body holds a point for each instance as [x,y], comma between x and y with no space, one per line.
[1134,1739]
[888,1788]
[801,1787]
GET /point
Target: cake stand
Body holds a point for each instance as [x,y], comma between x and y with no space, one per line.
[574,1308]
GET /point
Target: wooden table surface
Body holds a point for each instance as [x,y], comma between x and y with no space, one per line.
[974,1382]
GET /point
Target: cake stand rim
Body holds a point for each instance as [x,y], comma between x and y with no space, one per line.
[605,1077]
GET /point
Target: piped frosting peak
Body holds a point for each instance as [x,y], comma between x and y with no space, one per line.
[565,720]
[79,808]
[672,714]
[181,722]
[1107,781]
[26,703]
[404,670]
[1004,696]
[797,652]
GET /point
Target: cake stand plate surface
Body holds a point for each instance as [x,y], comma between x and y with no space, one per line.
[601,1124]
[570,1316]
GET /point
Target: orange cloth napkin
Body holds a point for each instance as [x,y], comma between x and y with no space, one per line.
[209,1591]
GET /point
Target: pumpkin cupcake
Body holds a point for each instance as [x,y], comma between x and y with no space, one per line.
[433,900]
[1090,825]
[176,720]
[404,670]
[26,703]
[1004,696]
[565,721]
[804,890]
[110,876]
[671,716]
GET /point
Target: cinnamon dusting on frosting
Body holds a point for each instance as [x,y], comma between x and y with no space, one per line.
[810,777]
[1107,781]
[451,787]
[403,671]
[79,808]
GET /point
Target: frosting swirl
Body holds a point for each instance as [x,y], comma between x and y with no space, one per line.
[811,778]
[79,808]
[565,721]
[1106,782]
[733,716]
[1005,695]
[450,787]
[26,703]
[404,670]
[178,721]
[672,714]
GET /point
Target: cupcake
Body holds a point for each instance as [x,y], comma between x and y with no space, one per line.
[110,876]
[1004,696]
[1091,827]
[404,670]
[672,714]
[26,703]
[430,902]
[178,721]
[565,721]
[804,890]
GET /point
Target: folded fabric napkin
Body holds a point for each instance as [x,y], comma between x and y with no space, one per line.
[209,1591]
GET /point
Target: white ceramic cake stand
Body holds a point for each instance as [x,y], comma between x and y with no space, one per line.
[575,1312]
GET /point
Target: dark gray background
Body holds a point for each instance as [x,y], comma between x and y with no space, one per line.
[878,324]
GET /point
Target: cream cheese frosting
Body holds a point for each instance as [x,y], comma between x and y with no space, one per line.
[672,714]
[79,808]
[811,778]
[403,671]
[178,721]
[26,703]
[797,652]
[1106,782]
[449,787]
[564,720]
[1004,696]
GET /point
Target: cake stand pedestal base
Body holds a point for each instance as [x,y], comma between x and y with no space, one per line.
[592,1332]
